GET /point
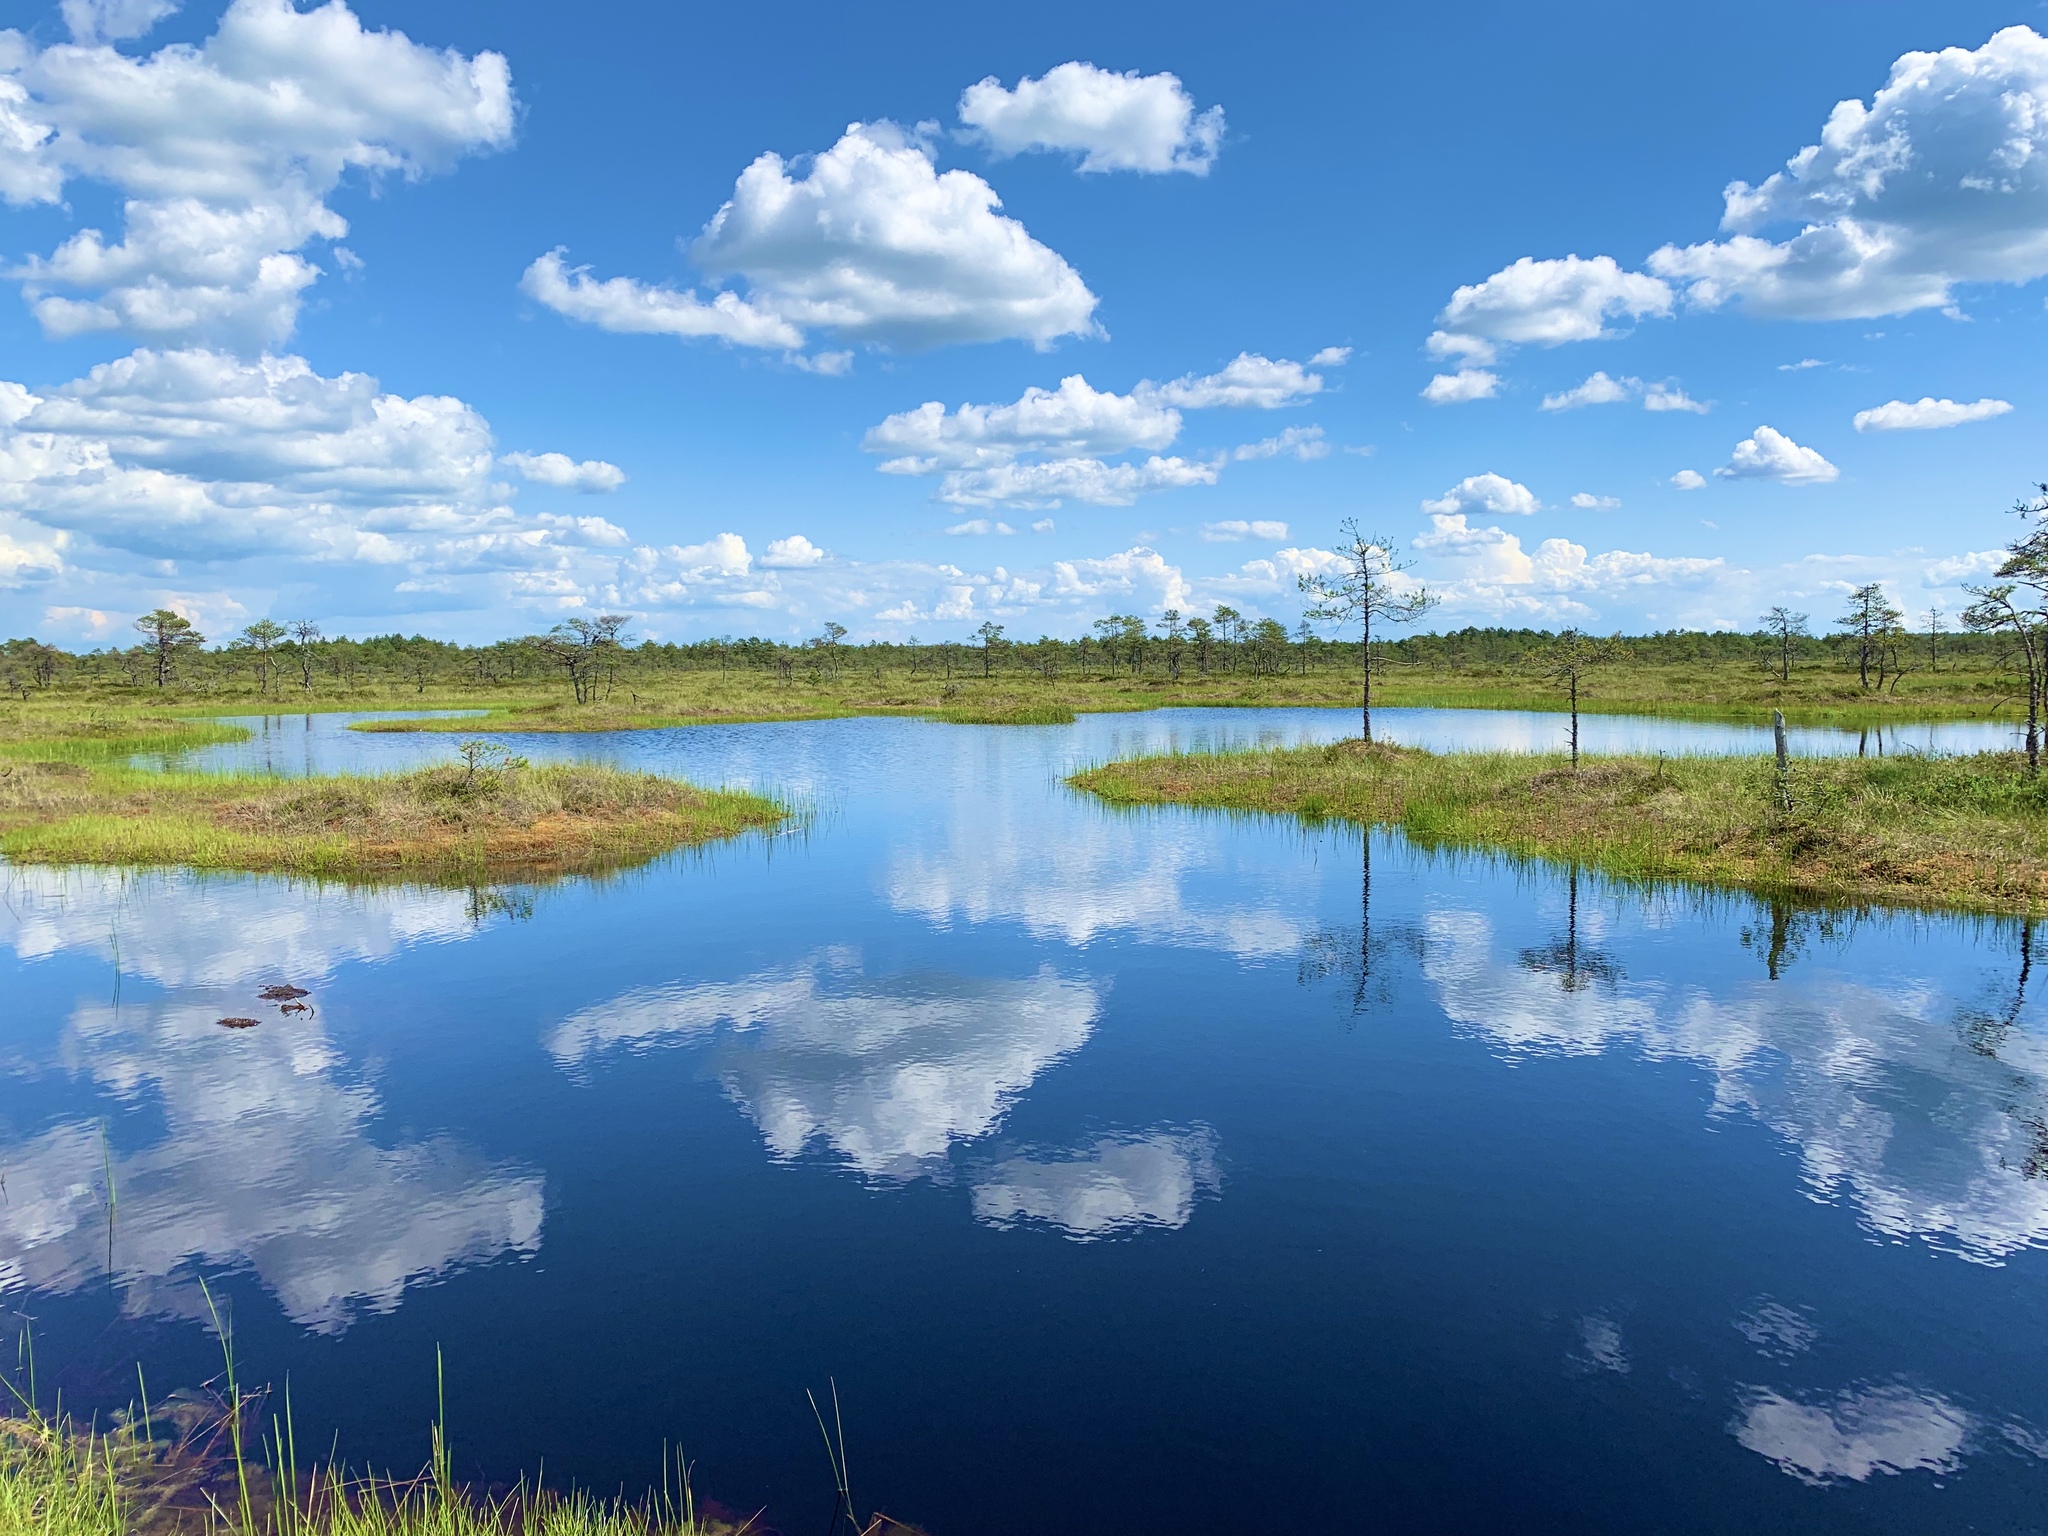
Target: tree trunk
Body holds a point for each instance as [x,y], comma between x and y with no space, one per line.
[1365,696]
[1575,720]
[2033,716]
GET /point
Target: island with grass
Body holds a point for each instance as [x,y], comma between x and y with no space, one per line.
[1966,832]
[71,794]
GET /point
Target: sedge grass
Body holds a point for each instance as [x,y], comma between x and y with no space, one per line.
[445,825]
[1966,832]
[1966,687]
[190,1469]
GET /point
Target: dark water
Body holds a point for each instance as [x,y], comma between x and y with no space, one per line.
[1128,1172]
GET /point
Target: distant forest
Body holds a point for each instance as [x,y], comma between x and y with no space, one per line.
[594,655]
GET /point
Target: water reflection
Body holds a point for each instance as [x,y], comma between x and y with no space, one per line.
[177,929]
[1855,1434]
[1111,1184]
[1358,953]
[1132,878]
[887,1071]
[267,1159]
[1599,1346]
[1574,965]
[1066,1014]
[1871,1080]
[267,1156]
[1776,1331]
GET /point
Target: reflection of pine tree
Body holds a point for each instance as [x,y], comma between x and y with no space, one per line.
[1790,930]
[1575,965]
[484,902]
[1985,1031]
[1356,952]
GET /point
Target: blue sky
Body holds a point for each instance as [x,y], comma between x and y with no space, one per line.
[463,319]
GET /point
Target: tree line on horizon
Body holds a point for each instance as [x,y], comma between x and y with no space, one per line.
[591,656]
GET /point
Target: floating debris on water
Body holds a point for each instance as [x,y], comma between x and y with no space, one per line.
[294,1007]
[282,993]
[238,1023]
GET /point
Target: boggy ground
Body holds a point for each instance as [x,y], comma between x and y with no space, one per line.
[1969,832]
[645,694]
[1013,697]
[447,825]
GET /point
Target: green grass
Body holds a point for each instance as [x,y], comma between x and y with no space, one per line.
[190,1472]
[105,734]
[441,825]
[556,718]
[1966,832]
[873,683]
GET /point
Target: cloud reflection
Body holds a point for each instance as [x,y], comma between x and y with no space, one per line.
[1112,1184]
[266,1161]
[179,929]
[888,1072]
[1855,1434]
[268,1157]
[1870,1081]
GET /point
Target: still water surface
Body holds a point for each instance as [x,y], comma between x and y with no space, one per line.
[1128,1171]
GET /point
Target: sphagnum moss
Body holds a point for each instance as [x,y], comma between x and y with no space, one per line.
[1969,832]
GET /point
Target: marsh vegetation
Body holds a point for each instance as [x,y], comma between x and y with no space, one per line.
[489,818]
[1877,664]
[1968,832]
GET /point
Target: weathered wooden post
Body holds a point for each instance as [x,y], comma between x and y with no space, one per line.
[1784,763]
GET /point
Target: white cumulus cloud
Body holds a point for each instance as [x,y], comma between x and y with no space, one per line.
[1457,388]
[198,455]
[558,469]
[1942,179]
[621,304]
[1090,480]
[1074,419]
[1053,443]
[1485,493]
[110,21]
[1494,575]
[1689,480]
[1248,381]
[792,553]
[1545,303]
[1669,397]
[1771,455]
[1927,413]
[224,155]
[1585,501]
[872,243]
[1114,122]
[1599,389]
